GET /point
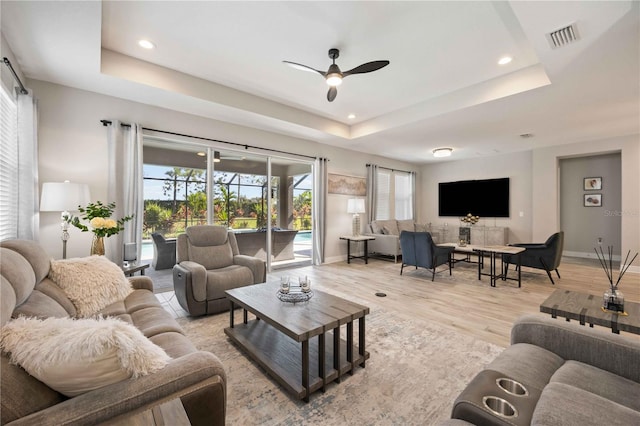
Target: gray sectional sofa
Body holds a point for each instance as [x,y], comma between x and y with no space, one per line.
[387,234]
[573,375]
[196,377]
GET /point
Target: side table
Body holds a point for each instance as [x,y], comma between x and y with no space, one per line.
[132,269]
[356,238]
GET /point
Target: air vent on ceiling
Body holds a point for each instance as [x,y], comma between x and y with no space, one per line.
[563,36]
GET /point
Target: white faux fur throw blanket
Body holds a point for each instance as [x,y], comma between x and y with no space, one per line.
[91,283]
[77,356]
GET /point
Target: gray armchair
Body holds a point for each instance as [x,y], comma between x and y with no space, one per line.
[164,252]
[209,264]
[544,256]
[419,250]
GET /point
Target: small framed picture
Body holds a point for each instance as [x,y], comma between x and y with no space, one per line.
[592,183]
[592,200]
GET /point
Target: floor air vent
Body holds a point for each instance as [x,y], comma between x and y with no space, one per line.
[563,36]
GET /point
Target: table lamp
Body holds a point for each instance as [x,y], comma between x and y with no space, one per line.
[355,206]
[63,197]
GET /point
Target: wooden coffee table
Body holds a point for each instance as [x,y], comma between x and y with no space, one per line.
[587,308]
[281,337]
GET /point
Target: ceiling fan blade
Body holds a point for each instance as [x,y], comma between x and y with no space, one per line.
[368,67]
[303,67]
[331,94]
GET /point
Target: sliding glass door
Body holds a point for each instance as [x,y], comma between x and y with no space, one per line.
[266,201]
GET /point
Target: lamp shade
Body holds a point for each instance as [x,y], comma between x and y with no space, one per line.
[355,205]
[63,196]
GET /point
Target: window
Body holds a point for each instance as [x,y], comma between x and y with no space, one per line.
[403,195]
[383,188]
[8,167]
[395,195]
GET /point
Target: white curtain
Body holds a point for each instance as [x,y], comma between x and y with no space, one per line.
[28,203]
[319,206]
[125,186]
[372,197]
[414,210]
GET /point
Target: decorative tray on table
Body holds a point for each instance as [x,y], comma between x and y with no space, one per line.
[295,295]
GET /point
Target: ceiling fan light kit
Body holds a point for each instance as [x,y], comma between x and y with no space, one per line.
[334,76]
[442,152]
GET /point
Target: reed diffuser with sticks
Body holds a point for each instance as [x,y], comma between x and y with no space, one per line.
[613,299]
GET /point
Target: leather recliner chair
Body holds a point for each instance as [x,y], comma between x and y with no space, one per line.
[209,264]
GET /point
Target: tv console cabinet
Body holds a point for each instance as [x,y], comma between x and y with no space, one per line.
[480,235]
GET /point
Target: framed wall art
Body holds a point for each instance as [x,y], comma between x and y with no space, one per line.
[592,200]
[347,185]
[592,183]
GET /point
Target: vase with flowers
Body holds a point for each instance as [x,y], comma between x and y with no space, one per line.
[100,223]
[613,299]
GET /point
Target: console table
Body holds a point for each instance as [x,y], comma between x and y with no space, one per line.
[587,308]
[480,235]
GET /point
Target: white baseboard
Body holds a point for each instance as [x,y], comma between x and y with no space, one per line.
[587,255]
[633,270]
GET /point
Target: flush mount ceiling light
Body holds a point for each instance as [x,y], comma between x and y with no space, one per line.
[442,152]
[201,154]
[216,156]
[146,44]
[351,116]
[505,60]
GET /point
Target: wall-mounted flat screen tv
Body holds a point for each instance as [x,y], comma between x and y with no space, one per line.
[484,198]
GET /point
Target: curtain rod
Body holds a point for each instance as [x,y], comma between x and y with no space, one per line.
[245,146]
[393,170]
[7,62]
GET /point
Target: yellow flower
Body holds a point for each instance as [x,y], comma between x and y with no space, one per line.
[110,223]
[97,223]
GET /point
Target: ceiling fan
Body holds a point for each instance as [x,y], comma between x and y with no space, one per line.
[334,76]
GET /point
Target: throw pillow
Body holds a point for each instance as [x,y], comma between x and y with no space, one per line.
[91,283]
[376,228]
[406,225]
[77,356]
[421,227]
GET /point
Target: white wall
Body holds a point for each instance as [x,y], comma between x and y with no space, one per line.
[72,145]
[515,166]
[546,219]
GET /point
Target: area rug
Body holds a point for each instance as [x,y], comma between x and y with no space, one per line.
[415,372]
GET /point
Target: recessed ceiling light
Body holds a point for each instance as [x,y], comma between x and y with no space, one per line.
[505,60]
[351,116]
[442,152]
[201,154]
[146,44]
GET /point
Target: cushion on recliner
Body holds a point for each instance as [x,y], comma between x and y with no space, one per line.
[600,382]
[224,279]
[529,364]
[206,235]
[211,257]
[562,404]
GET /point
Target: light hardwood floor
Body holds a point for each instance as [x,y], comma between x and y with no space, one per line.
[463,303]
